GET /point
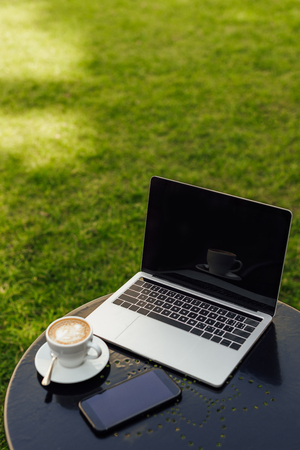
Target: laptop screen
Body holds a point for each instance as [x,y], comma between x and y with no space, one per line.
[224,246]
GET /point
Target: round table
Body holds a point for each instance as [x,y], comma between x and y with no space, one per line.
[257,408]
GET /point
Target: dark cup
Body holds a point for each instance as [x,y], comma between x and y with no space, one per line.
[220,262]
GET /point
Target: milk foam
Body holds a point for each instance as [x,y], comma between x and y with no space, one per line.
[69,331]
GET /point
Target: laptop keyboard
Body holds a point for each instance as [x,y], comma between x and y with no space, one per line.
[192,314]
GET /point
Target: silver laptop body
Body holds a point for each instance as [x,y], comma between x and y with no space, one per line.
[209,281]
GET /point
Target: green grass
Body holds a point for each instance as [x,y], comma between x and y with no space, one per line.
[98,96]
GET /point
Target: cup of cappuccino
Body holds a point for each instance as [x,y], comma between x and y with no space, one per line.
[220,262]
[70,338]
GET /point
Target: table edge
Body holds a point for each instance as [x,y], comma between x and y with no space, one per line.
[74,312]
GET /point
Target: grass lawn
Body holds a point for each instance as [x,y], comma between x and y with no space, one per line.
[98,96]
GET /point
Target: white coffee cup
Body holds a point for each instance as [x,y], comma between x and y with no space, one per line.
[70,338]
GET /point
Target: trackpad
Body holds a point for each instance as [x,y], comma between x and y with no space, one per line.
[155,340]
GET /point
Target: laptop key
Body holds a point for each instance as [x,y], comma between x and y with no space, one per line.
[186,305]
[209,329]
[192,315]
[143,297]
[163,290]
[240,318]
[204,305]
[206,335]
[196,302]
[136,288]
[249,329]
[133,307]
[201,318]
[167,305]
[132,293]
[178,303]
[141,303]
[231,315]
[154,294]
[166,312]
[159,302]
[234,338]
[146,291]
[174,316]
[183,319]
[170,321]
[222,319]
[218,332]
[118,301]
[157,309]
[216,339]
[192,322]
[213,308]
[149,306]
[210,322]
[197,331]
[143,311]
[155,288]
[241,333]
[162,297]
[235,346]
[231,322]
[125,305]
[127,298]
[179,296]
[212,315]
[171,293]
[225,342]
[251,322]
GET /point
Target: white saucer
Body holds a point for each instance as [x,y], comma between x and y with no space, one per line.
[60,374]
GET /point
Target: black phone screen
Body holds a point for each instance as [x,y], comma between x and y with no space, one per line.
[129,399]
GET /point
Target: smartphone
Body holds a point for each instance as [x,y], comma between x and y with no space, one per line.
[129,399]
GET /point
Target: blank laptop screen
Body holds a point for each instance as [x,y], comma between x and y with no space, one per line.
[217,244]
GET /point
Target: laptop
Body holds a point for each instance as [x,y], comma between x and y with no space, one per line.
[209,282]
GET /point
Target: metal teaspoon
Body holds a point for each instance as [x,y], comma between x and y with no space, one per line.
[47,378]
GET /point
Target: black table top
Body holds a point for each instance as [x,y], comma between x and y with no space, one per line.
[257,408]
